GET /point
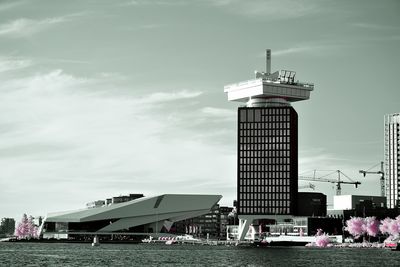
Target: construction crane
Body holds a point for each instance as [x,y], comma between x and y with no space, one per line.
[310,185]
[338,182]
[381,172]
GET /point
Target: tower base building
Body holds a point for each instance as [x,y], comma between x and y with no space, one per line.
[267,155]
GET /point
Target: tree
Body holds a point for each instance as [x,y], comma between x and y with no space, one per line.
[26,228]
[356,226]
[371,226]
[322,240]
[7,226]
[391,227]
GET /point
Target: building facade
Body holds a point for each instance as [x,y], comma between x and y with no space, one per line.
[267,160]
[349,202]
[211,225]
[145,215]
[311,204]
[392,159]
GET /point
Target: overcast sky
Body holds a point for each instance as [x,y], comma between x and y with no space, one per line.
[103,98]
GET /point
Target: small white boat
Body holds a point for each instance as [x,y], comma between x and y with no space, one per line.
[170,242]
[96,241]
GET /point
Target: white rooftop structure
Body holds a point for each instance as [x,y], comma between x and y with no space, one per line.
[278,88]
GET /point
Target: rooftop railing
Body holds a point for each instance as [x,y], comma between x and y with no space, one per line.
[279,81]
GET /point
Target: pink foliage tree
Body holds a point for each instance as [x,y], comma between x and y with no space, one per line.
[355,226]
[32,229]
[384,227]
[18,230]
[394,227]
[371,226]
[26,228]
[322,240]
[391,227]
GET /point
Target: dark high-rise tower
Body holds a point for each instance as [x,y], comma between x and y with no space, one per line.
[267,160]
[267,167]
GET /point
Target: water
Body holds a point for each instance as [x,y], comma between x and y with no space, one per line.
[57,254]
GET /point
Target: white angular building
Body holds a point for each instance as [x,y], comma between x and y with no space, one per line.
[146,215]
[392,158]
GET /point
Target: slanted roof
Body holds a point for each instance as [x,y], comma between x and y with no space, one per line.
[143,210]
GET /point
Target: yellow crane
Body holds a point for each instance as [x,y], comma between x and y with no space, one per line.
[338,182]
[309,185]
[381,172]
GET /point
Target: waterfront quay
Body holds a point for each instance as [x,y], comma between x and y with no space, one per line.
[62,254]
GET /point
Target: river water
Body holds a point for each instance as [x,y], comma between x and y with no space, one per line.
[58,254]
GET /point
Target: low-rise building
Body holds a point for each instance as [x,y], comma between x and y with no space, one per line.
[311,204]
[145,215]
[349,202]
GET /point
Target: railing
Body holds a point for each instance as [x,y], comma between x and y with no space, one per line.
[242,83]
[278,81]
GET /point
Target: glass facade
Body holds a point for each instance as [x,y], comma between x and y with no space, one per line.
[267,160]
[392,158]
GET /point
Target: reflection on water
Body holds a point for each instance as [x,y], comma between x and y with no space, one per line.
[43,254]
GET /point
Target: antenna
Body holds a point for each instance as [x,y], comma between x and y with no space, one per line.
[268,56]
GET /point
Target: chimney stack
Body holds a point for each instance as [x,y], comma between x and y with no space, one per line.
[268,56]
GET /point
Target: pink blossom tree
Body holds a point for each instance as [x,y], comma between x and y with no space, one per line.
[371,226]
[391,227]
[31,227]
[384,227]
[22,229]
[322,240]
[18,230]
[394,227]
[26,228]
[355,226]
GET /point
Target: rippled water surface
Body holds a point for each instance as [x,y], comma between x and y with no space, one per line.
[57,254]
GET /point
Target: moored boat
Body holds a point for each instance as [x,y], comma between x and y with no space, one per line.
[96,241]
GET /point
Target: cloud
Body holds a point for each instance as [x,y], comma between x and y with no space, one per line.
[154,2]
[269,10]
[316,48]
[221,113]
[25,27]
[150,26]
[372,26]
[293,50]
[58,131]
[6,5]
[10,64]
[304,48]
[160,97]
[222,2]
[63,60]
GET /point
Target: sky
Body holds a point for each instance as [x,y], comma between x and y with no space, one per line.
[105,98]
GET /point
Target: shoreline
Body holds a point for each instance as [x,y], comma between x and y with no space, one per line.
[362,245]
